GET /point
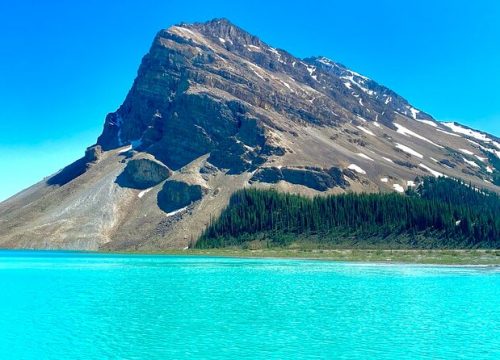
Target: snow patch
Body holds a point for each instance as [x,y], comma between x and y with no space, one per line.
[409,150]
[356,168]
[495,152]
[125,149]
[448,133]
[470,162]
[465,151]
[387,159]
[365,156]
[311,70]
[489,169]
[278,54]
[433,172]
[473,142]
[428,122]
[414,112]
[253,48]
[408,132]
[144,192]
[172,213]
[461,130]
[365,130]
[358,84]
[256,69]
[384,180]
[398,188]
[258,75]
[410,183]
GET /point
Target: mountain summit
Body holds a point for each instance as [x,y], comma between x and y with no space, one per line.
[214,109]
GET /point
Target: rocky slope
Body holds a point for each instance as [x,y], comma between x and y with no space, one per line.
[214,109]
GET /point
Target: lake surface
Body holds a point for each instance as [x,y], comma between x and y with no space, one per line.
[59,305]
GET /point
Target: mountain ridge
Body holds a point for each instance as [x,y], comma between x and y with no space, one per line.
[214,109]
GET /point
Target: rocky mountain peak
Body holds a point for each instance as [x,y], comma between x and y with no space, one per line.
[214,109]
[225,30]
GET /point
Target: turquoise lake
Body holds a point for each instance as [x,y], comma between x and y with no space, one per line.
[63,305]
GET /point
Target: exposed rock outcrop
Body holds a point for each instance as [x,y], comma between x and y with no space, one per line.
[74,170]
[145,173]
[93,154]
[314,178]
[177,194]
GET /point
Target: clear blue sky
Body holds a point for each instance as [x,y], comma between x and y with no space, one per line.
[65,64]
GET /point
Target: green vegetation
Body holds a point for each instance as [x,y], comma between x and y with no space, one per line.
[495,162]
[440,213]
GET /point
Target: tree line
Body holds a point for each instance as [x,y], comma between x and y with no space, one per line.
[439,213]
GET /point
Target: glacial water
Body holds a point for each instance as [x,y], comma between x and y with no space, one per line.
[60,305]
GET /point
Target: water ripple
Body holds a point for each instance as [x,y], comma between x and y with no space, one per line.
[84,306]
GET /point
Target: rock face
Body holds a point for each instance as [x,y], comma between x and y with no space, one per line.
[214,109]
[176,194]
[145,173]
[314,178]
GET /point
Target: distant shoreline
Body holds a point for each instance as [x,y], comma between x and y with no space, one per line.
[431,257]
[457,257]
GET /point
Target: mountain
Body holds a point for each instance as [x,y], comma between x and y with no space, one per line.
[214,109]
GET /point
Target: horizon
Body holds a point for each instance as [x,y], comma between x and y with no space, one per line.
[59,86]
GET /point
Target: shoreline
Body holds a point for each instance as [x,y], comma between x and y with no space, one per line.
[415,257]
[456,257]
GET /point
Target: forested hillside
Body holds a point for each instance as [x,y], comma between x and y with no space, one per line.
[439,213]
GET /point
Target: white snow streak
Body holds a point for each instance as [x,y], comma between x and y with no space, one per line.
[365,156]
[365,130]
[433,172]
[413,111]
[465,151]
[461,130]
[428,122]
[356,168]
[409,150]
[470,162]
[448,133]
[144,192]
[125,149]
[176,211]
[408,132]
